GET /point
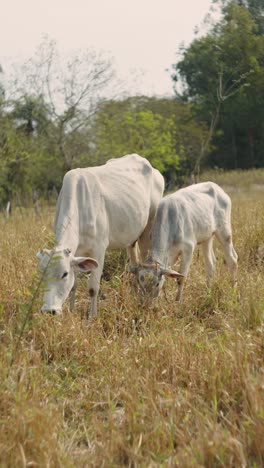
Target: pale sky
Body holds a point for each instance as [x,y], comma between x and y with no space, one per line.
[141,35]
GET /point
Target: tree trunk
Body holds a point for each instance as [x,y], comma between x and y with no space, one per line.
[234,149]
[35,202]
[8,209]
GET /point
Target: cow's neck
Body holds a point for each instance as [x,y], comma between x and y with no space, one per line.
[67,228]
[160,245]
[158,253]
[157,257]
[68,240]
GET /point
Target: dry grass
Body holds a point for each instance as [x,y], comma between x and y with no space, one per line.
[181,385]
[236,180]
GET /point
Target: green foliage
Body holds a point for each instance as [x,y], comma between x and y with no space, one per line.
[26,156]
[162,130]
[44,119]
[141,132]
[234,49]
[255,8]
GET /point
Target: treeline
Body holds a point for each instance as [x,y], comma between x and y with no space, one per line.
[54,115]
[223,76]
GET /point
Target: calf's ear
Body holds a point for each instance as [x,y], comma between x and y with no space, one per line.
[84,264]
[171,273]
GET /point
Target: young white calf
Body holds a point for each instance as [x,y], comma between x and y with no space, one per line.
[189,217]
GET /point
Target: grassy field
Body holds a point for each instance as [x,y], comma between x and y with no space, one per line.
[180,385]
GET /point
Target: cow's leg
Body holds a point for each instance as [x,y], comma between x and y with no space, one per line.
[73,292]
[133,255]
[144,242]
[186,260]
[209,259]
[94,284]
[225,239]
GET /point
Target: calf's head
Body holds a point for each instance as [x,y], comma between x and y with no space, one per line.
[150,277]
[58,269]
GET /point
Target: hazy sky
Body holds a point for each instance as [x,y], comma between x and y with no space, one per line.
[139,34]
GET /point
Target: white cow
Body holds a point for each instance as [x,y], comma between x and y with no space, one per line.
[184,219]
[110,206]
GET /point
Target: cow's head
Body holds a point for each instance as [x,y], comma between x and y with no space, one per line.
[150,277]
[58,268]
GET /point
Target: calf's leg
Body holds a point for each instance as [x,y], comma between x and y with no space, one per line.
[209,259]
[186,260]
[225,239]
[144,242]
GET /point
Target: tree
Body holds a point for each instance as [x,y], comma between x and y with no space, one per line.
[119,130]
[255,8]
[233,50]
[70,89]
[30,115]
[2,91]
[45,113]
[161,129]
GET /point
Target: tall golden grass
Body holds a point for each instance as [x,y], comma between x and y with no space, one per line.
[178,385]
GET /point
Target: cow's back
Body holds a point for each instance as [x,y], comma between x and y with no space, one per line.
[209,199]
[131,189]
[202,198]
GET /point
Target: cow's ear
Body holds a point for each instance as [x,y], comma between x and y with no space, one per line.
[84,263]
[171,273]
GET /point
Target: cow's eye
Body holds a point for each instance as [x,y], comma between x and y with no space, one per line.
[64,275]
